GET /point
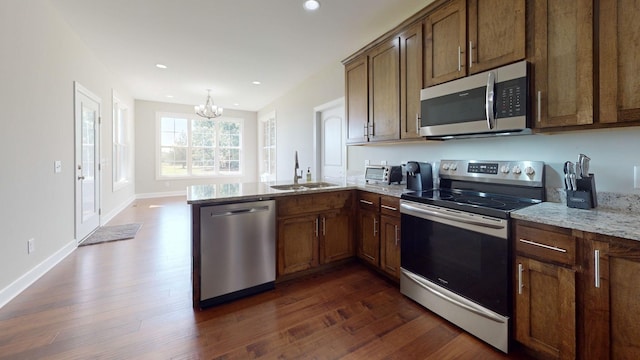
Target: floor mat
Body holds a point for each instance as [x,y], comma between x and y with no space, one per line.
[112,233]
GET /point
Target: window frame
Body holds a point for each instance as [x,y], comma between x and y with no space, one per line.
[267,174]
[121,166]
[189,148]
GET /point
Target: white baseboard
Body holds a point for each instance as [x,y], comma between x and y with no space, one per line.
[15,288]
[108,217]
[161,194]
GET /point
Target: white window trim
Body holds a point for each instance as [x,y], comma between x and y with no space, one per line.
[120,183]
[261,146]
[217,175]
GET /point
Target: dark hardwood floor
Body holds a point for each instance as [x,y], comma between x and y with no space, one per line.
[131,299]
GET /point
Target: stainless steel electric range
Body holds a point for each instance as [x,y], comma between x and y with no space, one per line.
[456,245]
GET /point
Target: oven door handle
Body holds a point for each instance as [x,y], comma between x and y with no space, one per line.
[450,217]
[470,306]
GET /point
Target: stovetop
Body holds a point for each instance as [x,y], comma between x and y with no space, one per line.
[492,188]
[496,205]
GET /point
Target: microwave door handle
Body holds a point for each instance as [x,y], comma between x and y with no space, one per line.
[490,100]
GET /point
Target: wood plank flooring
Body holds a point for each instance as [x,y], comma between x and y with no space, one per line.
[131,299]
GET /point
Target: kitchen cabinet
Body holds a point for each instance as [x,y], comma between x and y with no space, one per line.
[619,31]
[313,229]
[384,91]
[545,289]
[496,36]
[563,58]
[411,55]
[379,232]
[610,293]
[357,99]
[390,236]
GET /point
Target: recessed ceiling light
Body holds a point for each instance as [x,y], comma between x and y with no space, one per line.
[256,83]
[161,66]
[236,104]
[170,96]
[311,5]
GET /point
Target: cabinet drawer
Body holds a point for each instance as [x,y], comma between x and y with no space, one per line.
[390,205]
[313,203]
[369,201]
[546,243]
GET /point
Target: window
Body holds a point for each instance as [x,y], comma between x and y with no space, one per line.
[190,146]
[268,147]
[121,144]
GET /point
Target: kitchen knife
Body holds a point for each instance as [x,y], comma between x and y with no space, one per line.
[572,177]
[567,178]
[584,165]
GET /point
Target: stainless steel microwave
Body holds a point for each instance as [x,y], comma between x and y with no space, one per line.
[494,102]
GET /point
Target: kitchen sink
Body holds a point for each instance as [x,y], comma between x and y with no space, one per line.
[305,186]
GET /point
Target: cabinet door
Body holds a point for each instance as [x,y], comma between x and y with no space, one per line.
[369,237]
[563,45]
[297,243]
[337,237]
[496,33]
[411,60]
[611,310]
[390,245]
[619,66]
[445,39]
[357,101]
[545,315]
[384,91]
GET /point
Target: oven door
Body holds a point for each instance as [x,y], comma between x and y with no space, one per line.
[465,253]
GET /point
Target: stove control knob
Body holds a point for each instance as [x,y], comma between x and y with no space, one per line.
[529,170]
[445,166]
[453,167]
[504,169]
[516,170]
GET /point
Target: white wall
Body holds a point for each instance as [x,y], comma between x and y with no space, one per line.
[613,154]
[295,118]
[146,183]
[41,58]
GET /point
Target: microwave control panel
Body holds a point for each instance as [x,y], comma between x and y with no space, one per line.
[511,98]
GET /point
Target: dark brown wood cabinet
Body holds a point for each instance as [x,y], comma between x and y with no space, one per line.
[563,60]
[545,290]
[379,232]
[384,91]
[390,236]
[357,99]
[445,43]
[619,31]
[314,229]
[411,81]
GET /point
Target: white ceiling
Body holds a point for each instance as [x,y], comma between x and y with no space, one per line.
[224,45]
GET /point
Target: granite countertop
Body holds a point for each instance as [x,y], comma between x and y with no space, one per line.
[211,194]
[618,222]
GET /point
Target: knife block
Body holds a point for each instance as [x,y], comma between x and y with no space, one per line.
[585,197]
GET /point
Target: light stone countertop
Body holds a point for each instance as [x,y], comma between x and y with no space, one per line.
[618,222]
[212,194]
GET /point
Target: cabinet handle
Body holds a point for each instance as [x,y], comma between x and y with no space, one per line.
[316,227]
[417,124]
[520,269]
[396,235]
[366,202]
[470,54]
[459,59]
[596,255]
[324,226]
[543,246]
[539,106]
[388,207]
[375,226]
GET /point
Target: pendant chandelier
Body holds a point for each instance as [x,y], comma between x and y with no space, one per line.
[208,110]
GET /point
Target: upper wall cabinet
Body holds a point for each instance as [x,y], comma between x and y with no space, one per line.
[384,91]
[496,36]
[563,47]
[619,65]
[411,55]
[357,99]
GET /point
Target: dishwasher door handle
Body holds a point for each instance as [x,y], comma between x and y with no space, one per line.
[240,211]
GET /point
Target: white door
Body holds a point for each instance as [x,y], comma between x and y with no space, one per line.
[87,164]
[332,148]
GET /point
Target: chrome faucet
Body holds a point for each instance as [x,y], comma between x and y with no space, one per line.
[295,171]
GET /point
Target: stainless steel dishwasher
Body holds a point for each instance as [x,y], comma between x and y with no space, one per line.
[237,249]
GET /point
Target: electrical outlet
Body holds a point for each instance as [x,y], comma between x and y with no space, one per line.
[366,162]
[636,177]
[57,166]
[383,162]
[31,246]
